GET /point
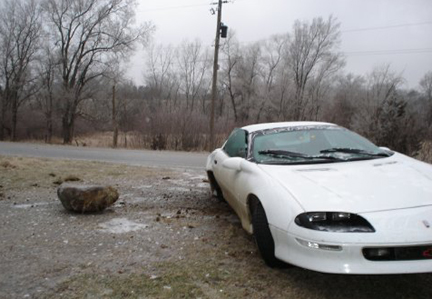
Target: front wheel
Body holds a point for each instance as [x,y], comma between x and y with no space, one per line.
[215,188]
[264,238]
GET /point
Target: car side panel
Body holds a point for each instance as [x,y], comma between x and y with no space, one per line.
[228,180]
[238,186]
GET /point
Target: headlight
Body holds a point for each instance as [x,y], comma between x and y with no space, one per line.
[337,222]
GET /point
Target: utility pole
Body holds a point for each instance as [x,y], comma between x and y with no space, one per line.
[114,117]
[215,73]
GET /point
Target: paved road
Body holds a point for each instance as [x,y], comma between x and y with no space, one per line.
[167,159]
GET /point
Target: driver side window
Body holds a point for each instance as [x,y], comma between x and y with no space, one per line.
[236,145]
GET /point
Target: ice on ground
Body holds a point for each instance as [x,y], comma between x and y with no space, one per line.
[144,187]
[179,189]
[120,226]
[202,185]
[30,205]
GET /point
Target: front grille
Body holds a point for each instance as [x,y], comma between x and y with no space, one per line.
[398,253]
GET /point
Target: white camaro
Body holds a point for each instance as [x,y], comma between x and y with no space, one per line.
[321,197]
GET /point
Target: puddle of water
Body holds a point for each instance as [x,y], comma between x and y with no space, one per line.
[202,185]
[181,189]
[31,205]
[120,226]
[144,187]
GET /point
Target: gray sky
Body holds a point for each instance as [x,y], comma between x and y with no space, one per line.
[398,32]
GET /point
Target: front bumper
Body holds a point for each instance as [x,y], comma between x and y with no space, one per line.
[341,258]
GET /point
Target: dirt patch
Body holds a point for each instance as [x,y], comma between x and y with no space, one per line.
[166,237]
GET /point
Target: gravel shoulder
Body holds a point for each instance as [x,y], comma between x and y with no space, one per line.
[166,237]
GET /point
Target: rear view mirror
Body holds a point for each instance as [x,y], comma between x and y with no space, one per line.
[233,163]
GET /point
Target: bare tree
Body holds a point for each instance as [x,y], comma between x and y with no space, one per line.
[426,88]
[381,93]
[272,61]
[87,35]
[194,65]
[232,52]
[312,52]
[20,29]
[349,93]
[46,70]
[426,85]
[161,78]
[248,78]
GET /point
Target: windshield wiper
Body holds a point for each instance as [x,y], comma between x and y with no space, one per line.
[348,150]
[289,154]
[283,153]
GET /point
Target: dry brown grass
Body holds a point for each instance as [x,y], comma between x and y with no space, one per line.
[17,173]
[137,140]
[425,152]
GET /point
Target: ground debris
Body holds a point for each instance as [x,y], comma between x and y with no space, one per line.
[71,178]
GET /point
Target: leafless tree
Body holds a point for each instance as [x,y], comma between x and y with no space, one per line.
[348,94]
[381,94]
[20,29]
[229,77]
[87,35]
[312,52]
[194,65]
[426,85]
[49,87]
[272,62]
[426,88]
[248,73]
[161,77]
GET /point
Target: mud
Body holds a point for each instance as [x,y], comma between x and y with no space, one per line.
[166,237]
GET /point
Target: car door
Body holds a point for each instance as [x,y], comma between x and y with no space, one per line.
[235,146]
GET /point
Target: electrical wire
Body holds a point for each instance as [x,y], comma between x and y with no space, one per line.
[173,7]
[183,6]
[386,27]
[388,52]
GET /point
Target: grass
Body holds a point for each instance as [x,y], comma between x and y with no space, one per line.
[18,173]
[175,281]
[425,152]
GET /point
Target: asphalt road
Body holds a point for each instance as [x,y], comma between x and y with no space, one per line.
[165,159]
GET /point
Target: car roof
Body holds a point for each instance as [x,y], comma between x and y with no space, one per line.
[275,125]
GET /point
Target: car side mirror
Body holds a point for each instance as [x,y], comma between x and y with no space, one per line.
[384,148]
[233,163]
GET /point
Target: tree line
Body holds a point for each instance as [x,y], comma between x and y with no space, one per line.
[61,77]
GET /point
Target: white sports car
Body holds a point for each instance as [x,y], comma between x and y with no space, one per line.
[321,197]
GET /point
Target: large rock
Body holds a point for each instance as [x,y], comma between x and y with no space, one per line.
[86,199]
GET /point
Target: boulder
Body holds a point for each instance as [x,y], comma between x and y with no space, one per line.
[86,199]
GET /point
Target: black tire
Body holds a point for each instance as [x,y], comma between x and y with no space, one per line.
[215,186]
[264,238]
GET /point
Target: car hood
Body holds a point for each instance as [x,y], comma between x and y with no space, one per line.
[397,182]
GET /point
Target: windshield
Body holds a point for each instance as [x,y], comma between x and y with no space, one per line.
[312,145]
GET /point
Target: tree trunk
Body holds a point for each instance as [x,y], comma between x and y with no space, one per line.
[14,118]
[49,127]
[3,119]
[68,123]
[114,118]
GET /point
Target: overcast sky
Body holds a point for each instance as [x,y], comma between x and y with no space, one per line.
[374,32]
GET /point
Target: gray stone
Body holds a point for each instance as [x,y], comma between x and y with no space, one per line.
[86,199]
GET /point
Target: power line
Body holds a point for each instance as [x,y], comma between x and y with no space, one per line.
[365,53]
[182,6]
[173,7]
[387,27]
[388,52]
[355,30]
